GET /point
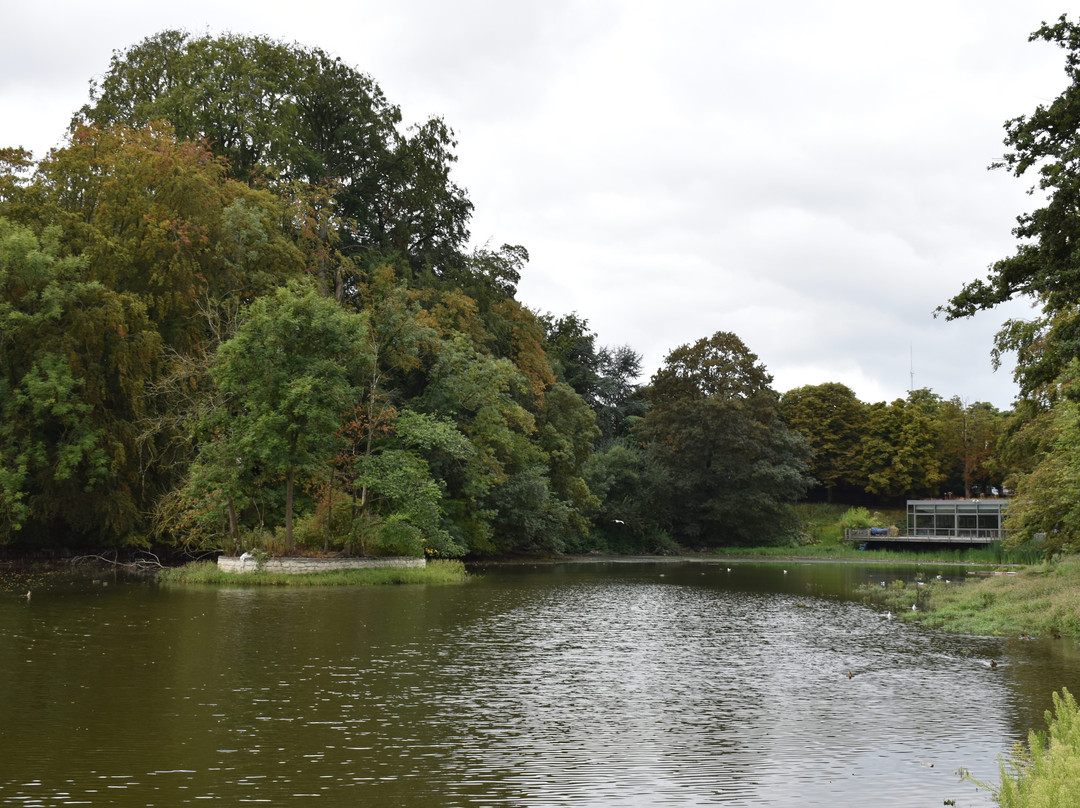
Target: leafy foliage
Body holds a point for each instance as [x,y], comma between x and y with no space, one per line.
[714,425]
[284,113]
[833,420]
[73,360]
[1046,772]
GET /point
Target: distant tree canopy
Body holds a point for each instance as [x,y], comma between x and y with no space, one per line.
[290,116]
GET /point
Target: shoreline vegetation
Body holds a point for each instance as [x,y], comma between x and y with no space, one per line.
[1044,772]
[1028,602]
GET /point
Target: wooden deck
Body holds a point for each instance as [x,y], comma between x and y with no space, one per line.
[981,537]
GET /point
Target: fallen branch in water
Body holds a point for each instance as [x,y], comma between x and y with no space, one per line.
[151,563]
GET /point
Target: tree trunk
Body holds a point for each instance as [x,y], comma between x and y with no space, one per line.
[233,530]
[329,513]
[289,476]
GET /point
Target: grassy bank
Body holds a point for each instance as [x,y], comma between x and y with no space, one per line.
[1036,601]
[985,556]
[207,572]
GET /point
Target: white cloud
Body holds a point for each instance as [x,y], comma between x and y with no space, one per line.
[810,176]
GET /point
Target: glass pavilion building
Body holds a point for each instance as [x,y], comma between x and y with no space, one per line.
[977,519]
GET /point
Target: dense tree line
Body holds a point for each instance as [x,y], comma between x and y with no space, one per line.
[237,306]
[921,446]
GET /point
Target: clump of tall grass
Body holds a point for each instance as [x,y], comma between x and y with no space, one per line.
[1045,773]
[443,571]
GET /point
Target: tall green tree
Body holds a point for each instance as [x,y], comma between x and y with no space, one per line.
[633,514]
[619,400]
[399,484]
[605,378]
[1046,510]
[1046,264]
[833,420]
[714,425]
[74,360]
[901,455]
[290,373]
[280,113]
[969,435]
[483,395]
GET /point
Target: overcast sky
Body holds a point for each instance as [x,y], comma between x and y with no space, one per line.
[809,175]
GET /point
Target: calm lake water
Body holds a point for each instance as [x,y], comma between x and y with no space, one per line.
[605,684]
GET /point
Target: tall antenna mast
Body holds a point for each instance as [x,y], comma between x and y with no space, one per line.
[911,368]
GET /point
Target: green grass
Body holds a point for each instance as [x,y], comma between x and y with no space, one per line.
[1039,601]
[206,572]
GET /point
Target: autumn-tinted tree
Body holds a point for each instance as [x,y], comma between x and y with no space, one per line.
[281,113]
[159,219]
[968,435]
[714,425]
[161,230]
[833,420]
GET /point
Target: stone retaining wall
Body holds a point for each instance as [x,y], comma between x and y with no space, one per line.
[295,566]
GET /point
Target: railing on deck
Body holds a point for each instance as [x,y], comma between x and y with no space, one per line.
[944,535]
